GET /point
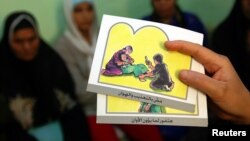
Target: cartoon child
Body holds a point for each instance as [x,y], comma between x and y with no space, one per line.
[160,72]
[119,59]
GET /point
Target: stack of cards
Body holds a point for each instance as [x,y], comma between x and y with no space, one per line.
[137,78]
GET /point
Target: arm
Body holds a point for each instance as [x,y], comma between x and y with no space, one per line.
[223,85]
[130,60]
[121,63]
[151,67]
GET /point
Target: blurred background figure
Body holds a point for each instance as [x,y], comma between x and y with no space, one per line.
[77,47]
[168,12]
[232,38]
[36,85]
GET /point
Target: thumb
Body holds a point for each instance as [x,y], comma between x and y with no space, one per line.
[200,81]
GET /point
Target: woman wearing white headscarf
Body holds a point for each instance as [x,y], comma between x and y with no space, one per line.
[77,46]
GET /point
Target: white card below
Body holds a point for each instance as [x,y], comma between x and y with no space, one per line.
[170,117]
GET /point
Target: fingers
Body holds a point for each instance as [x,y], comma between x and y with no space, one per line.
[202,82]
[198,52]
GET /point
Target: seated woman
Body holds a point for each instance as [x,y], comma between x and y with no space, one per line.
[36,83]
[76,47]
[118,60]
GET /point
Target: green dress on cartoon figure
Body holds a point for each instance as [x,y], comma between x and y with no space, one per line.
[151,108]
[135,69]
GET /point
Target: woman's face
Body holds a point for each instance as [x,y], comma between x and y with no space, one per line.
[128,51]
[164,8]
[25,43]
[83,16]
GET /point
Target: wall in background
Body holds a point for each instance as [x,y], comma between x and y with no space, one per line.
[49,13]
[211,12]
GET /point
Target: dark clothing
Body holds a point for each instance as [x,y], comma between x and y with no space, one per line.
[184,20]
[162,77]
[74,125]
[230,39]
[36,79]
[14,132]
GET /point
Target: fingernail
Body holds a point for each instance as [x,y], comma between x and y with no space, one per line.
[166,44]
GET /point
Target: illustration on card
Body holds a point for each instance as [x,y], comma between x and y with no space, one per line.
[151,108]
[122,64]
[138,60]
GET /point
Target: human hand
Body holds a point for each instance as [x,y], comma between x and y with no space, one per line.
[223,85]
[131,61]
[121,63]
